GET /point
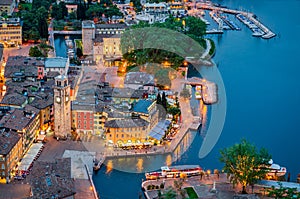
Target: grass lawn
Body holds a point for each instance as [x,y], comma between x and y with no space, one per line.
[191,193]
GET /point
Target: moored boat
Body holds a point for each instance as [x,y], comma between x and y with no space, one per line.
[175,172]
[275,170]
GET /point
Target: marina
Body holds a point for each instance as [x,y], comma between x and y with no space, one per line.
[247,18]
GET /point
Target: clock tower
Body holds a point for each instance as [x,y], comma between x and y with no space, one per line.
[62,108]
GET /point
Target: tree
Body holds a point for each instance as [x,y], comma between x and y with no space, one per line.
[63,8]
[283,192]
[79,52]
[174,111]
[56,12]
[185,93]
[81,12]
[164,101]
[195,28]
[158,99]
[35,52]
[95,11]
[244,163]
[137,5]
[42,26]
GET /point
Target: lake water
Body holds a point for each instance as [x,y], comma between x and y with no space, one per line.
[262,85]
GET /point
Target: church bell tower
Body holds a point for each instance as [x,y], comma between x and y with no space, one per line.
[62,108]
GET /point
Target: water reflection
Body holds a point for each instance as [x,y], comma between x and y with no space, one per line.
[139,165]
[169,160]
[203,112]
[109,166]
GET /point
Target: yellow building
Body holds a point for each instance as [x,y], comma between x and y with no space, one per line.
[147,110]
[126,131]
[100,117]
[10,153]
[10,32]
[107,49]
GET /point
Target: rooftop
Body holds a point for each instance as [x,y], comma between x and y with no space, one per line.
[126,123]
[52,74]
[88,24]
[52,179]
[42,102]
[18,119]
[13,99]
[28,66]
[7,141]
[142,106]
[100,37]
[6,2]
[111,26]
[138,78]
[56,62]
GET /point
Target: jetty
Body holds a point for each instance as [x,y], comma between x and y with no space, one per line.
[98,163]
[208,89]
[214,31]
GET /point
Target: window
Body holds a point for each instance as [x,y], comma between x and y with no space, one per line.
[3,166]
[117,135]
[122,135]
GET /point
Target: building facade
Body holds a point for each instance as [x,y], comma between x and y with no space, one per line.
[10,32]
[62,108]
[126,131]
[88,36]
[24,121]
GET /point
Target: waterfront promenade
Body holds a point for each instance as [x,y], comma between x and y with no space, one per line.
[203,187]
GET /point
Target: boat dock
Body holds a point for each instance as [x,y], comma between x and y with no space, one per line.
[99,163]
[214,31]
[248,19]
[231,24]
[208,89]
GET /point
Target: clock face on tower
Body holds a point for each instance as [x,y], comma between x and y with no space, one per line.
[57,99]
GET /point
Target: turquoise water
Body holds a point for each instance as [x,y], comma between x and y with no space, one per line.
[263,95]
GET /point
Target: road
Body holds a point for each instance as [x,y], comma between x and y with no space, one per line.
[24,51]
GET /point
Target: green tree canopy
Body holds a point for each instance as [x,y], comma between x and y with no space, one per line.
[40,50]
[244,163]
[35,52]
[185,93]
[135,52]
